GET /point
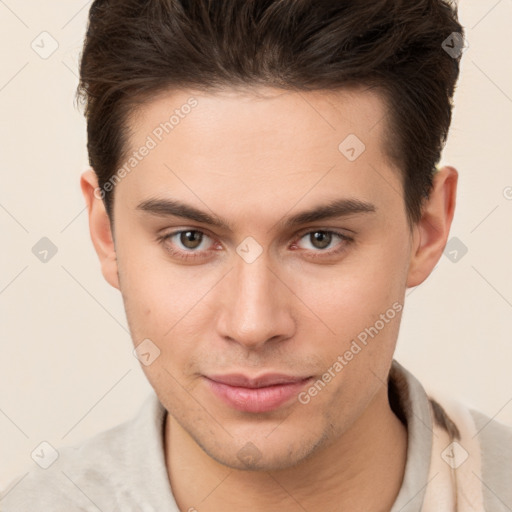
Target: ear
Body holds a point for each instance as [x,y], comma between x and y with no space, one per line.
[99,227]
[432,230]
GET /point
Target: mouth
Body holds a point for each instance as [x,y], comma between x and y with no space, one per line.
[259,394]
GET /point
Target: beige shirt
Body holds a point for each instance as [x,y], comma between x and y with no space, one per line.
[123,468]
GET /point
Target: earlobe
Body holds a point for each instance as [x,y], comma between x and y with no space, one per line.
[99,227]
[432,230]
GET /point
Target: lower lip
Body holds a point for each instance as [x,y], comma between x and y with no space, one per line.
[257,399]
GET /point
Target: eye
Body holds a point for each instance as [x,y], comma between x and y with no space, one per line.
[186,244]
[193,244]
[321,240]
[190,239]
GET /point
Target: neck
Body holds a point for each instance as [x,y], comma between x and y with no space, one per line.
[361,470]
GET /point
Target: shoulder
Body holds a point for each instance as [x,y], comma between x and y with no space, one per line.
[65,484]
[487,446]
[491,431]
[90,475]
[495,440]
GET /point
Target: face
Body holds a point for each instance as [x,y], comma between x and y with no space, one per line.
[266,263]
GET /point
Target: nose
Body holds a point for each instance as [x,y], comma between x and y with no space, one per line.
[257,308]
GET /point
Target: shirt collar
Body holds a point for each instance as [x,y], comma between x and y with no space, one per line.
[411,404]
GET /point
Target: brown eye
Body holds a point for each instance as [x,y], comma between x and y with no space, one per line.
[323,243]
[191,239]
[188,245]
[320,239]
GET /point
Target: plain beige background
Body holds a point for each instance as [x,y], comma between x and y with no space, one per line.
[66,365]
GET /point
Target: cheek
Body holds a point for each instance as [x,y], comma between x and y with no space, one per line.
[152,288]
[357,310]
[352,295]
[166,304]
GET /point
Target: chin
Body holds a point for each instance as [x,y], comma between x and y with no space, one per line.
[262,455]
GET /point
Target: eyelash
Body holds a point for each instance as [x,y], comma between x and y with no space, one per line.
[193,255]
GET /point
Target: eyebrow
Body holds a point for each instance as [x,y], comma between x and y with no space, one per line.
[332,210]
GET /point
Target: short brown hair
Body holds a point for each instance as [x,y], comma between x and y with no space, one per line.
[135,49]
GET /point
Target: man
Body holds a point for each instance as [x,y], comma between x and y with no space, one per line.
[263,192]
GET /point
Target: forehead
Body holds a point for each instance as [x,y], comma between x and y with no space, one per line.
[259,146]
[263,113]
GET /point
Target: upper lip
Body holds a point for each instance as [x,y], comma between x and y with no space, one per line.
[269,379]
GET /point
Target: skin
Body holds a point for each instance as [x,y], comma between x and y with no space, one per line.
[255,158]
